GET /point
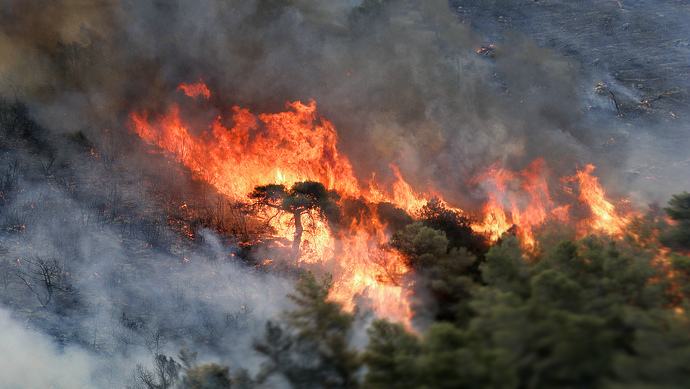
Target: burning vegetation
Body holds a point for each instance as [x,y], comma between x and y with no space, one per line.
[314,194]
[288,166]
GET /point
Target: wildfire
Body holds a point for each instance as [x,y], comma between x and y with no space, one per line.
[604,216]
[522,201]
[285,148]
[197,89]
[298,145]
[526,197]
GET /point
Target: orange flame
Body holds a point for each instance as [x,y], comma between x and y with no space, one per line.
[289,147]
[521,201]
[297,145]
[197,89]
[604,217]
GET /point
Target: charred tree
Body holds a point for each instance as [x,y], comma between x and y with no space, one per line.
[43,278]
[302,198]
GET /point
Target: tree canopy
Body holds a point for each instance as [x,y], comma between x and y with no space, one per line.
[301,198]
[678,235]
[310,346]
[596,312]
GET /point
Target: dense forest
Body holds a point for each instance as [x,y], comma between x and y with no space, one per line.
[122,265]
[588,313]
[591,312]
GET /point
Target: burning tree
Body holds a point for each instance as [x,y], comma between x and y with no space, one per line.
[297,151]
[302,198]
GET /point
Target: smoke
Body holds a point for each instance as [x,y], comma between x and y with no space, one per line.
[639,50]
[401,81]
[34,362]
[121,286]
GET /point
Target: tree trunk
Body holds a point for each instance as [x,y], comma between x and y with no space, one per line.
[297,240]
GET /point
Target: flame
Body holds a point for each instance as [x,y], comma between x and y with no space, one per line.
[298,145]
[604,217]
[288,147]
[520,199]
[402,194]
[197,89]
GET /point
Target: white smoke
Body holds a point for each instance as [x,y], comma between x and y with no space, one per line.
[31,360]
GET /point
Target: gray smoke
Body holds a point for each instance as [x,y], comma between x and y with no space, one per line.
[35,363]
[400,79]
[570,81]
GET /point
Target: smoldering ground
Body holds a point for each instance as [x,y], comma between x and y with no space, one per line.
[400,80]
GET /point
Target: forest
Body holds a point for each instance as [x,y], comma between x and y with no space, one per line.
[355,194]
[592,312]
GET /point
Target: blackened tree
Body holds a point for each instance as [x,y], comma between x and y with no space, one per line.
[300,199]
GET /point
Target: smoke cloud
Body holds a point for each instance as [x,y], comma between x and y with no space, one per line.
[33,361]
[402,82]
